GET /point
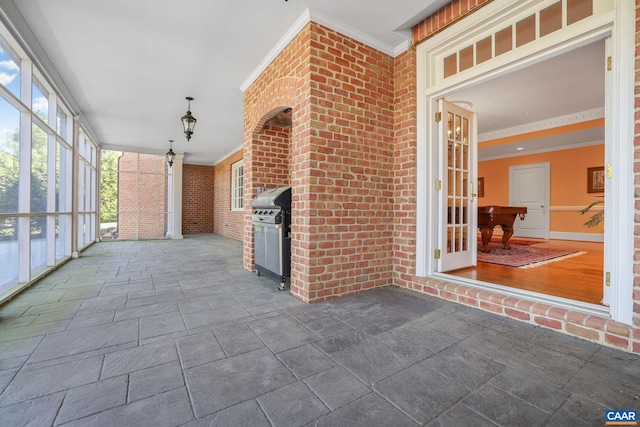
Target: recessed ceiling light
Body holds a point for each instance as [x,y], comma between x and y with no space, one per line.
[519,148]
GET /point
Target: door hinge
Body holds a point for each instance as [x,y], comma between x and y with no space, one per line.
[438,185]
[607,279]
[609,171]
[609,63]
[438,116]
[436,254]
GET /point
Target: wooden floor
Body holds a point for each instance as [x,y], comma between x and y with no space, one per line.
[578,278]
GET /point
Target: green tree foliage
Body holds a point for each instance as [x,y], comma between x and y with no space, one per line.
[109,186]
[9,170]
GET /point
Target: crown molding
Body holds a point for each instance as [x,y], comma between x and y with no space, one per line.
[300,23]
[569,119]
[348,31]
[225,157]
[319,18]
[540,151]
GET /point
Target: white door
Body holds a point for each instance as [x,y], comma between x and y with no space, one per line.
[458,203]
[529,187]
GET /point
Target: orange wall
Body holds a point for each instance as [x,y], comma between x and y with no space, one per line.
[568,183]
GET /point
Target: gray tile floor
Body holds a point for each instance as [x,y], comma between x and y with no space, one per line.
[170,333]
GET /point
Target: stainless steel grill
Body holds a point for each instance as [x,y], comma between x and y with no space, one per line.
[271,217]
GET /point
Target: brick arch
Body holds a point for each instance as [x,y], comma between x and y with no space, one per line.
[278,95]
[266,147]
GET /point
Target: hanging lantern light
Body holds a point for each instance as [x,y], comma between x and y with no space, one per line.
[188,121]
[170,154]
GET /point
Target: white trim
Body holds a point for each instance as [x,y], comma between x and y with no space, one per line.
[348,31]
[555,122]
[540,150]
[310,15]
[240,148]
[568,304]
[291,33]
[237,188]
[619,190]
[620,24]
[575,209]
[174,226]
[581,237]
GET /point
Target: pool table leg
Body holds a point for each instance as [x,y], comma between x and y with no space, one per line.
[507,232]
[486,232]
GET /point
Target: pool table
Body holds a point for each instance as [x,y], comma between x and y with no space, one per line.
[504,216]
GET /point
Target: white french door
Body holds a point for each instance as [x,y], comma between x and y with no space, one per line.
[457,198]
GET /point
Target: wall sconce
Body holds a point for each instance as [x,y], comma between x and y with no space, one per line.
[170,154]
[188,121]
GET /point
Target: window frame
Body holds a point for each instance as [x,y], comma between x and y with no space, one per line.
[237,186]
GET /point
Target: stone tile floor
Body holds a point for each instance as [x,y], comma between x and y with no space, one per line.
[171,333]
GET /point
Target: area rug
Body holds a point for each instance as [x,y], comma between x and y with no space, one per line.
[523,256]
[513,241]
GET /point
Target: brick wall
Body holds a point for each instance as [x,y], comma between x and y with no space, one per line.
[197,199]
[284,84]
[594,328]
[227,223]
[353,151]
[636,256]
[341,144]
[142,196]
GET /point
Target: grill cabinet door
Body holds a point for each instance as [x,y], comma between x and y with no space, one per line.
[273,252]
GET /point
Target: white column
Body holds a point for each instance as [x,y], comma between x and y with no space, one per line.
[175,199]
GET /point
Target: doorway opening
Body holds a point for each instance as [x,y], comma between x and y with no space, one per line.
[540,129]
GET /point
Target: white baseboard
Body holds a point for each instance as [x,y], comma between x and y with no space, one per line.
[583,237]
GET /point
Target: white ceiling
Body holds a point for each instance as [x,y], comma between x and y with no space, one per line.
[130,64]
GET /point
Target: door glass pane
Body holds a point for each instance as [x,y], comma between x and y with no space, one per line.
[526,31]
[551,19]
[458,218]
[503,41]
[451,65]
[483,50]
[466,58]
[578,10]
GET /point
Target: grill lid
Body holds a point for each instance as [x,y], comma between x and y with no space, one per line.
[280,196]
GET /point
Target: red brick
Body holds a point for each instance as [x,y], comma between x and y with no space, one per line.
[550,323]
[491,307]
[581,332]
[616,341]
[517,314]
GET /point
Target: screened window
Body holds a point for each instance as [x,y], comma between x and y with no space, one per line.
[237,186]
[9,68]
[40,101]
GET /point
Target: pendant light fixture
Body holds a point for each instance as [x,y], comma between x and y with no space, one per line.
[170,154]
[188,121]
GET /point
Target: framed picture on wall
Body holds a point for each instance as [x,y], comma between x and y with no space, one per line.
[595,180]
